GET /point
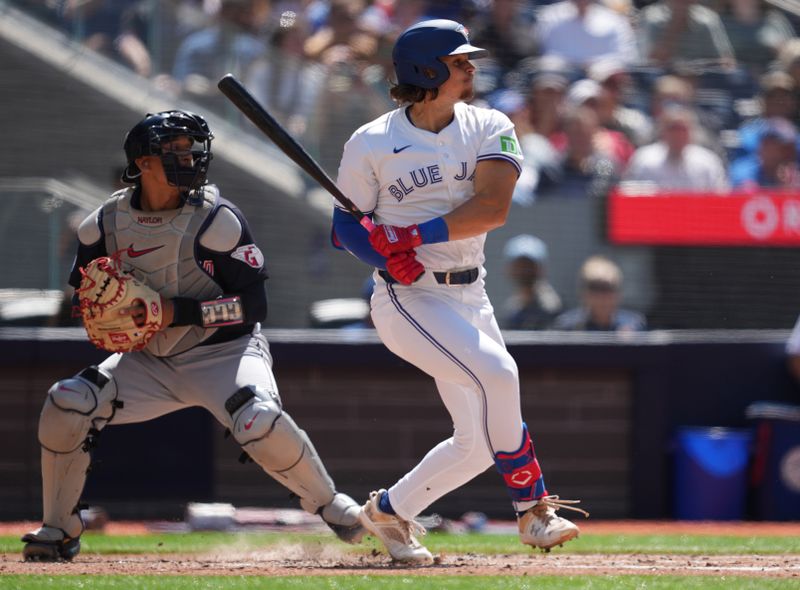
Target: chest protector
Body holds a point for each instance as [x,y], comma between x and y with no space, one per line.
[158,248]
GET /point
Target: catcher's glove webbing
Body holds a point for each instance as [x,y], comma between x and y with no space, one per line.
[120,313]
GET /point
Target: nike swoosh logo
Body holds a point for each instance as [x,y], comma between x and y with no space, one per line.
[398,150]
[136,253]
[250,422]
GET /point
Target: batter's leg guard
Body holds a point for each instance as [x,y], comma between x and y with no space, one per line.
[521,471]
[284,451]
[75,411]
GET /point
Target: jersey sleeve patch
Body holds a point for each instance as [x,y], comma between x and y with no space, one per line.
[250,255]
[508,145]
[223,233]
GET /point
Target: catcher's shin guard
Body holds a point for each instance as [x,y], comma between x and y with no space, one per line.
[282,449]
[341,514]
[73,414]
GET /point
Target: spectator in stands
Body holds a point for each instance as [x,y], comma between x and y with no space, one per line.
[682,30]
[778,101]
[540,136]
[675,163]
[669,91]
[793,352]
[582,31]
[600,287]
[775,166]
[341,38]
[585,169]
[756,32]
[534,303]
[504,30]
[283,80]
[232,43]
[391,17]
[591,94]
[546,103]
[616,83]
[115,28]
[346,52]
[789,59]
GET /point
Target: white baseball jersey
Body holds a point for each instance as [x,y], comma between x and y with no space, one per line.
[406,175]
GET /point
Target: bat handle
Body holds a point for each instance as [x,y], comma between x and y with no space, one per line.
[367,224]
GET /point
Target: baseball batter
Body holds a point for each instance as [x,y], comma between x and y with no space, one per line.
[436,175]
[167,274]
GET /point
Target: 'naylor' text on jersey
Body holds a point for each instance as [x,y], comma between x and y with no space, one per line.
[422,177]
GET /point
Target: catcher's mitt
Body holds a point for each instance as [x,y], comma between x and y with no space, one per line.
[120,313]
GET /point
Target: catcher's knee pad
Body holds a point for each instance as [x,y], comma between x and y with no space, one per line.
[76,409]
[276,443]
[521,472]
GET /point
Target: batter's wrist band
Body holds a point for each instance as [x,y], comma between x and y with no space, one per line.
[434,231]
[226,311]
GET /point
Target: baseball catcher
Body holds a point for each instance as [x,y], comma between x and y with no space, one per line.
[169,279]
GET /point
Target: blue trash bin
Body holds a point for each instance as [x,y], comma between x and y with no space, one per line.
[776,465]
[711,473]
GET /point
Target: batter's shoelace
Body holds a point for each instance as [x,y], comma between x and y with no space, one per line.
[555,502]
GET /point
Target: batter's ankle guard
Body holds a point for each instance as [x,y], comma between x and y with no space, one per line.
[521,471]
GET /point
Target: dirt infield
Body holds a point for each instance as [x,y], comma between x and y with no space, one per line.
[312,559]
[300,561]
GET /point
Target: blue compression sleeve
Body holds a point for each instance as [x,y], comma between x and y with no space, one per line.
[355,238]
[434,231]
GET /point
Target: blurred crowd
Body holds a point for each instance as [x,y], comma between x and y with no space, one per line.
[673,94]
[536,305]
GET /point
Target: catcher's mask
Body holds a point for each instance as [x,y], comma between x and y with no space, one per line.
[148,135]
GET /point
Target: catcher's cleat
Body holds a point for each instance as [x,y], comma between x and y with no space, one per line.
[541,527]
[342,516]
[50,544]
[397,534]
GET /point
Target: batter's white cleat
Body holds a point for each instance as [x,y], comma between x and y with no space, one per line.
[541,527]
[397,534]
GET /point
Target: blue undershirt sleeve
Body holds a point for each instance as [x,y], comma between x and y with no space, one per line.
[434,231]
[355,239]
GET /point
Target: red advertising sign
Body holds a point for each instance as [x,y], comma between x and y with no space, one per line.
[761,218]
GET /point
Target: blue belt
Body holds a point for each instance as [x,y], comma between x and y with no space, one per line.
[459,277]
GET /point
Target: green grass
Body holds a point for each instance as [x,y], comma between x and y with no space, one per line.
[436,542]
[394,583]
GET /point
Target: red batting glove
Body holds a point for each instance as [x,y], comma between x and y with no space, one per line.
[391,239]
[404,267]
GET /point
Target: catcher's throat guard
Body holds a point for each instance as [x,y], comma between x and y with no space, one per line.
[120,313]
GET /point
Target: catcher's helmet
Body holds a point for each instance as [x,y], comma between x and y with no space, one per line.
[418,49]
[147,136]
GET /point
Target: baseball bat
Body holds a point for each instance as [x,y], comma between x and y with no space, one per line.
[244,101]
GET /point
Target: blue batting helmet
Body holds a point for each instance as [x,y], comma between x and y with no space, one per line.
[418,49]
